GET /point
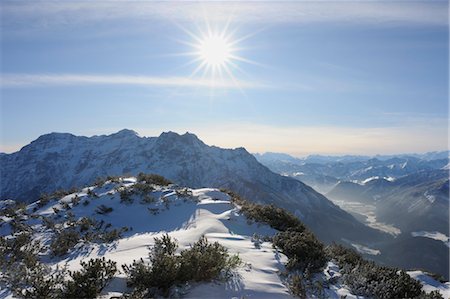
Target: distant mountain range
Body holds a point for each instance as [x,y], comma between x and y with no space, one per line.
[323,172]
[61,160]
[407,195]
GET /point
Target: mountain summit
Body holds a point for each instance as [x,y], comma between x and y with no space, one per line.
[61,161]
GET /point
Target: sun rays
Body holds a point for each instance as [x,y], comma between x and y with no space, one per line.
[215,52]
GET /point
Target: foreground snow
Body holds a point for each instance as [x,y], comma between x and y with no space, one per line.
[206,212]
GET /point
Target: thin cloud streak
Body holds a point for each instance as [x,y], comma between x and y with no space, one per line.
[47,14]
[42,80]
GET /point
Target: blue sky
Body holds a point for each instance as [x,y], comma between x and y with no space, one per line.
[328,77]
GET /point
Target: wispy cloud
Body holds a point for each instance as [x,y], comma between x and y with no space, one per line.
[36,80]
[46,14]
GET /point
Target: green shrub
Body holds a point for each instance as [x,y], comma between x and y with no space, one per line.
[64,241]
[185,192]
[43,284]
[431,295]
[125,196]
[371,280]
[153,179]
[43,200]
[75,200]
[277,218]
[90,280]
[138,274]
[302,248]
[202,261]
[92,194]
[112,235]
[85,223]
[366,278]
[147,199]
[143,188]
[345,257]
[297,287]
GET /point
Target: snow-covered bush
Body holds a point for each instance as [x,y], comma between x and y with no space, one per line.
[297,286]
[41,283]
[153,179]
[90,280]
[64,241]
[125,196]
[276,217]
[203,261]
[369,279]
[142,188]
[302,248]
[366,278]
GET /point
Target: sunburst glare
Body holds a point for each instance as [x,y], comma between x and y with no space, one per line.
[216,54]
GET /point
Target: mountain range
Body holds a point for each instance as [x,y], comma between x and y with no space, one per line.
[405,195]
[62,161]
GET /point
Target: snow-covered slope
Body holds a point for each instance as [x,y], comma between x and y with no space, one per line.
[59,160]
[186,215]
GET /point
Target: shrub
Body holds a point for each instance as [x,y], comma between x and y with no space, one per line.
[125,196]
[42,284]
[184,193]
[277,218]
[302,248]
[85,223]
[90,280]
[369,279]
[345,257]
[431,295]
[43,200]
[112,235]
[138,274]
[203,261]
[143,188]
[148,199]
[102,210]
[91,193]
[297,287]
[165,265]
[86,202]
[75,200]
[366,278]
[153,179]
[64,241]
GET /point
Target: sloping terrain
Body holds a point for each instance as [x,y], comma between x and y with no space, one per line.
[119,219]
[56,160]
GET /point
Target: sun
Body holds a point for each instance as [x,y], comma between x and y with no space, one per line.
[215,50]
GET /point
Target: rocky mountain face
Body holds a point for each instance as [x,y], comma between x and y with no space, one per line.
[56,160]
